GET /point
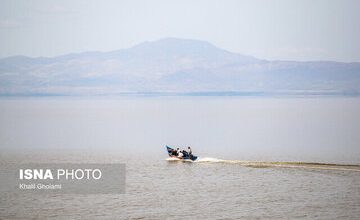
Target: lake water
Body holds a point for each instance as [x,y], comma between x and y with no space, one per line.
[260,158]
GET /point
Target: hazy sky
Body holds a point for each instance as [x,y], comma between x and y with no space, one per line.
[277,29]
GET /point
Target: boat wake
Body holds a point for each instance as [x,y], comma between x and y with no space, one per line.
[211,160]
[269,164]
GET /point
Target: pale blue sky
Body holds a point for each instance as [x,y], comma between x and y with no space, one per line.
[274,29]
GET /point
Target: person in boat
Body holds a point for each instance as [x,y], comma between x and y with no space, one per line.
[190,152]
[179,153]
[174,152]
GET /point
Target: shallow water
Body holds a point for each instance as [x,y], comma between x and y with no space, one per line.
[259,158]
[210,189]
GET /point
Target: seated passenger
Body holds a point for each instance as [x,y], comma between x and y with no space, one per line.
[180,154]
[190,152]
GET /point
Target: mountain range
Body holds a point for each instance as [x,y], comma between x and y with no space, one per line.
[173,66]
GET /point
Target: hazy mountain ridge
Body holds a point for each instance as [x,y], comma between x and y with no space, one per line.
[172,66]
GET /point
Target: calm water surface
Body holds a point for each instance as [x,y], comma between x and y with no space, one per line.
[160,189]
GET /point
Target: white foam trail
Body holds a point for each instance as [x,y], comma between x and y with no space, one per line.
[209,159]
[200,160]
[172,159]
